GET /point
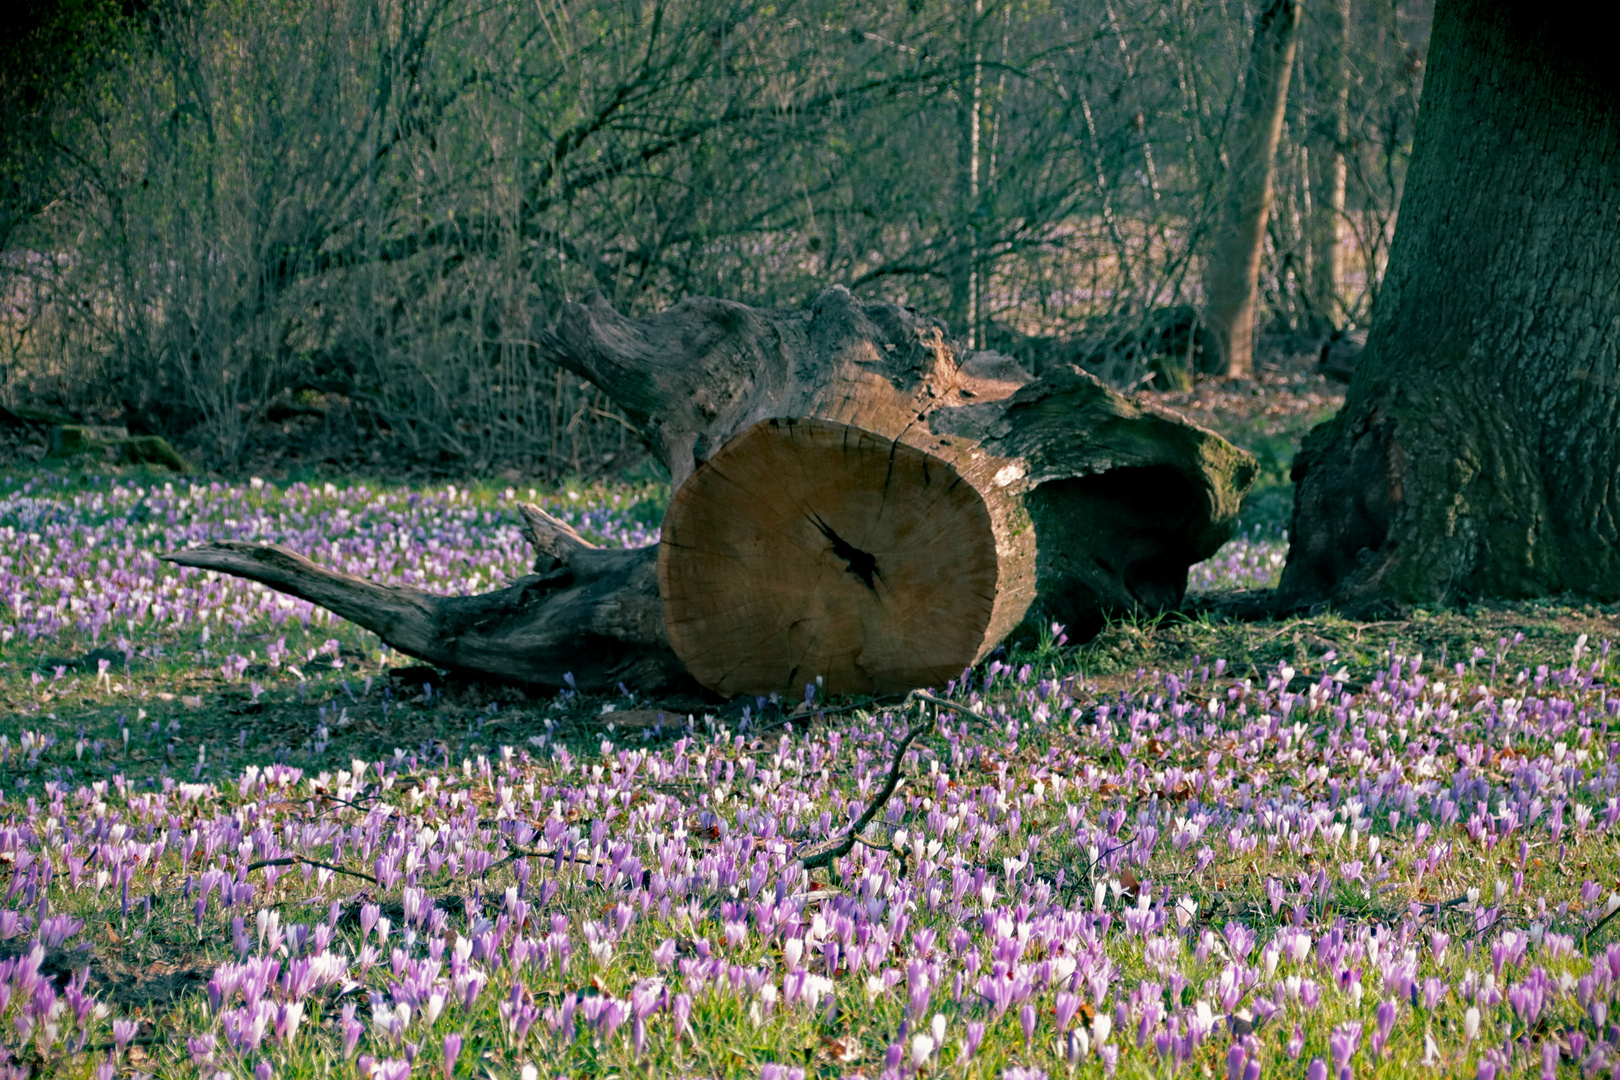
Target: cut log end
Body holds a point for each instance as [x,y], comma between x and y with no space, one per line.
[810,549]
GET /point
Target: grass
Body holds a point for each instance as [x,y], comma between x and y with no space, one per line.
[1145,822]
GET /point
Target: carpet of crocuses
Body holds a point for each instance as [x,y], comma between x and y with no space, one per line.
[1251,560]
[1303,871]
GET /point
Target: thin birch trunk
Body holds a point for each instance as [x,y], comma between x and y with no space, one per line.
[1328,168]
[1232,277]
[964,283]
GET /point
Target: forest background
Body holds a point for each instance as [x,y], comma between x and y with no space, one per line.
[224,220]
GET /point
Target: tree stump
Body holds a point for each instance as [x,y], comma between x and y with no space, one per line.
[854,501]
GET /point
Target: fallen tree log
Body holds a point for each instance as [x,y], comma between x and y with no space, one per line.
[854,501]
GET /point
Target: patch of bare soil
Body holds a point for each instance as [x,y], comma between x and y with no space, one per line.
[1285,391]
[143,985]
[154,986]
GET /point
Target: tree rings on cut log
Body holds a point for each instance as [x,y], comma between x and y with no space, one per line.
[806,548]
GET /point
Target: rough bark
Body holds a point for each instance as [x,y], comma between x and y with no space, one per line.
[1092,502]
[1231,278]
[1476,454]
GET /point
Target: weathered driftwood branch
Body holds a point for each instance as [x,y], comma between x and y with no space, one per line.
[854,501]
[590,612]
[822,854]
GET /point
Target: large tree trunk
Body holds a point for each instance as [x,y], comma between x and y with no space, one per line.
[1232,276]
[1477,453]
[853,502]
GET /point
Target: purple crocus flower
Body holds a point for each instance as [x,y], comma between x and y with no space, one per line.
[1386,1014]
[352,1030]
[1342,1044]
[973,1038]
[452,1050]
[1065,1007]
[389,1069]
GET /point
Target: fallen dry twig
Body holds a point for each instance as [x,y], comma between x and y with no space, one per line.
[822,854]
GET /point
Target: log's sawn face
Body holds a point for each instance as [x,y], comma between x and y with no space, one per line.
[809,548]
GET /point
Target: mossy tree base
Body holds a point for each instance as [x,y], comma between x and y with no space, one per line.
[1478,452]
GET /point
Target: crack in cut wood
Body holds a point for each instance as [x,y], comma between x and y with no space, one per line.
[860,563]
